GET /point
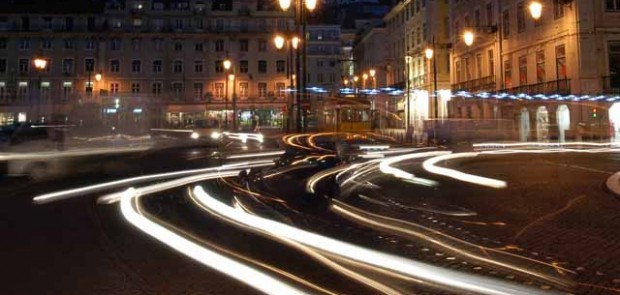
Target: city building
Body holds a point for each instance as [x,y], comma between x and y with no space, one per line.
[543,51]
[418,62]
[152,61]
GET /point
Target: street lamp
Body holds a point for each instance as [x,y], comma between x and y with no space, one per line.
[227,63]
[468,37]
[98,77]
[408,133]
[40,64]
[535,10]
[429,52]
[300,20]
[291,44]
[355,79]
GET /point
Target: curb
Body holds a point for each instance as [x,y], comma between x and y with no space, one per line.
[613,183]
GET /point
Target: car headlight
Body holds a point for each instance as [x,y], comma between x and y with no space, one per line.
[195,135]
[215,135]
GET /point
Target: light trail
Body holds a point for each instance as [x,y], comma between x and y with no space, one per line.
[244,137]
[433,274]
[386,165]
[430,166]
[314,179]
[60,195]
[289,140]
[467,249]
[544,144]
[256,155]
[313,144]
[239,271]
[69,153]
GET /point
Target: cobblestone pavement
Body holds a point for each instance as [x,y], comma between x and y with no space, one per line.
[556,210]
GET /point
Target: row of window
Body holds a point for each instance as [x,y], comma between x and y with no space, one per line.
[412,8]
[178,88]
[219,45]
[157,66]
[464,68]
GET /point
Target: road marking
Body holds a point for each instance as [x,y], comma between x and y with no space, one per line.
[546,216]
[577,167]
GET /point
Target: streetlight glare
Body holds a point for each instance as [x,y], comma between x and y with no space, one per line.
[40,63]
[231,77]
[227,64]
[535,9]
[295,42]
[365,76]
[372,72]
[98,77]
[311,4]
[468,37]
[285,4]
[279,41]
[429,53]
[355,78]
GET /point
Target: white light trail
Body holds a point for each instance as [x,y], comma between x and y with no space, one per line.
[386,165]
[69,153]
[433,274]
[256,155]
[314,179]
[56,196]
[241,272]
[430,166]
[543,144]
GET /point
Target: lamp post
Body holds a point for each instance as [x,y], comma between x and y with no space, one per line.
[364,78]
[227,65]
[372,75]
[300,21]
[232,79]
[430,52]
[40,64]
[355,79]
[408,133]
[291,43]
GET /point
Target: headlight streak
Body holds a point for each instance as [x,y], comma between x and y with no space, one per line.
[413,230]
[241,272]
[256,155]
[56,196]
[444,277]
[386,165]
[288,139]
[429,165]
[312,143]
[543,144]
[314,179]
[244,137]
[70,153]
[315,254]
[115,197]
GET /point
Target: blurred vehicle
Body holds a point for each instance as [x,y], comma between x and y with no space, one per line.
[354,146]
[47,165]
[200,132]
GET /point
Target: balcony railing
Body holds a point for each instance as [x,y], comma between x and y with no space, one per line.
[611,84]
[550,87]
[482,84]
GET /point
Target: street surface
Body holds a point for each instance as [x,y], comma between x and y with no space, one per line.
[396,220]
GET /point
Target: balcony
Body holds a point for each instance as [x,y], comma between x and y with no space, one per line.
[550,87]
[611,84]
[486,84]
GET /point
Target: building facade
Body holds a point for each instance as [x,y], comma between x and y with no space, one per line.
[414,27]
[570,50]
[147,60]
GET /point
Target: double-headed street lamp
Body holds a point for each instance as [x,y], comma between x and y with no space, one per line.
[291,43]
[300,20]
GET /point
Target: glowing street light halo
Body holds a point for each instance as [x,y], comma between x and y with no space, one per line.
[468,37]
[535,9]
[279,41]
[310,4]
[429,52]
[284,4]
[227,64]
[372,72]
[40,63]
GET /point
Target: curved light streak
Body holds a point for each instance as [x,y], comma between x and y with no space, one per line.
[386,165]
[387,223]
[314,179]
[429,165]
[241,272]
[444,277]
[60,195]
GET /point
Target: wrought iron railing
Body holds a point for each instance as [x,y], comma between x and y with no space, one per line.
[482,84]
